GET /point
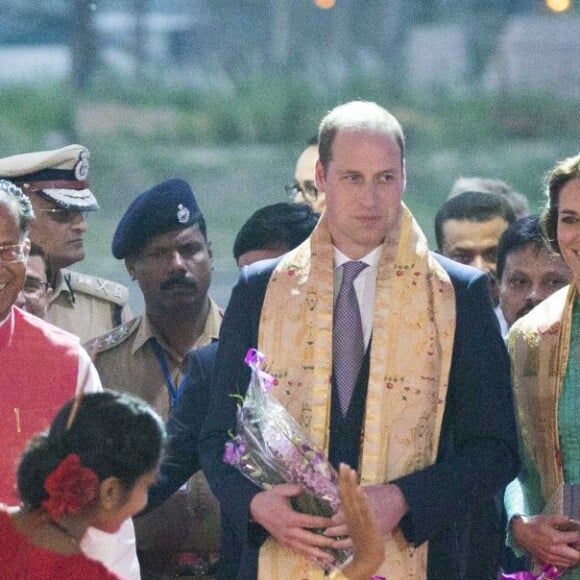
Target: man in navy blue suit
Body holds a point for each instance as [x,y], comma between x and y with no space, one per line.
[430,423]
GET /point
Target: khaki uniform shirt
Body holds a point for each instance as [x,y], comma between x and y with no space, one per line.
[127,362]
[87,306]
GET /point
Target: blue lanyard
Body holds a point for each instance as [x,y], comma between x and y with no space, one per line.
[173,391]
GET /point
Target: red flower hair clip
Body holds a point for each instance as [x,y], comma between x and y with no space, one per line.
[70,488]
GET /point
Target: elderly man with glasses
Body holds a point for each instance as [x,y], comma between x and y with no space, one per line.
[29,348]
[42,368]
[57,184]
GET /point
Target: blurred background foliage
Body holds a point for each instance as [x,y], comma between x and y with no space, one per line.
[246,87]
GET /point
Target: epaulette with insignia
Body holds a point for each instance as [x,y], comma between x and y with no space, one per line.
[96,286]
[113,338]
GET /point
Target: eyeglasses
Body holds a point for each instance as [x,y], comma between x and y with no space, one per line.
[308,190]
[64,216]
[11,253]
[34,286]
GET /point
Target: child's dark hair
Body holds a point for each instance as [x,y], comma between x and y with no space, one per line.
[114,434]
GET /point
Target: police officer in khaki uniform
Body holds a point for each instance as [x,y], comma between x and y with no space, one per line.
[163,239]
[57,184]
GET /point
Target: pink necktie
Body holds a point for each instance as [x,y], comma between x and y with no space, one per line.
[347,335]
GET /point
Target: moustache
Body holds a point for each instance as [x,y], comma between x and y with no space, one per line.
[178,281]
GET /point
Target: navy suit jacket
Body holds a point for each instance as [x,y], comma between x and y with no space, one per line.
[478,451]
[180,455]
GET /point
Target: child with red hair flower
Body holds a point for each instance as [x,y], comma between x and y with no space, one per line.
[93,468]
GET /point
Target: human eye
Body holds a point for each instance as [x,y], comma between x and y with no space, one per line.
[352,177]
[568,219]
[386,177]
[61,216]
[310,188]
[189,250]
[157,253]
[11,253]
[517,282]
[490,255]
[557,282]
[293,190]
[461,256]
[32,284]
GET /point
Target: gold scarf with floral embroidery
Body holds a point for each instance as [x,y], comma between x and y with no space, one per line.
[410,359]
[539,346]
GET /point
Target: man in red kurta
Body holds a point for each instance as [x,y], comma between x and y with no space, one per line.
[41,367]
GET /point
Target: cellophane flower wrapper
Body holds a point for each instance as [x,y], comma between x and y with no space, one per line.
[548,572]
[270,448]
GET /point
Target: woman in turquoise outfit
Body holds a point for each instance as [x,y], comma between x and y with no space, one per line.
[545,351]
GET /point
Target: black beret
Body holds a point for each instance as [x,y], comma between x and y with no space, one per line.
[168,206]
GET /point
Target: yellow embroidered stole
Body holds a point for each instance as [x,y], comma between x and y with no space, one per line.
[413,331]
[539,345]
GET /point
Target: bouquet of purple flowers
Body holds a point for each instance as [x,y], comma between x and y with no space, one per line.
[269,448]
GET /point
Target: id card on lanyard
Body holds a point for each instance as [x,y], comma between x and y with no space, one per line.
[173,390]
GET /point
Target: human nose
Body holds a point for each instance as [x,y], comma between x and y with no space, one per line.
[480,263]
[20,299]
[78,222]
[368,195]
[538,293]
[176,262]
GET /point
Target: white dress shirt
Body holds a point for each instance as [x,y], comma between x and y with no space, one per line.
[364,286]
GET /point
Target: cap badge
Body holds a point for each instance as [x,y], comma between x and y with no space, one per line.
[82,166]
[182,214]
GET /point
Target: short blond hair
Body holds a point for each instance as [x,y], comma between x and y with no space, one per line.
[357,116]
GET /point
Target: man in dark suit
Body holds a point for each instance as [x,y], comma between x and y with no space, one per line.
[269,232]
[181,458]
[441,411]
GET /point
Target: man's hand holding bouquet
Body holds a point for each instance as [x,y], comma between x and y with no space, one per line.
[300,500]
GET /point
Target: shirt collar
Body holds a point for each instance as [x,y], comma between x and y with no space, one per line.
[210,332]
[7,328]
[372,258]
[60,285]
[147,331]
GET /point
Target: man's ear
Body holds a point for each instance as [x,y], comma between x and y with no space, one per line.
[320,177]
[26,248]
[48,294]
[111,493]
[209,250]
[130,265]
